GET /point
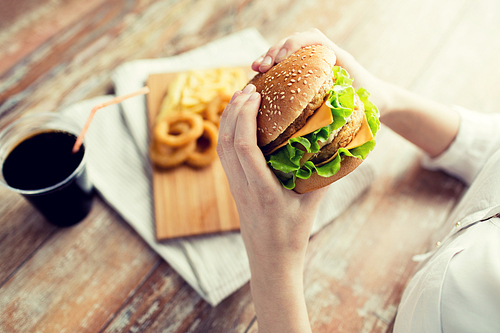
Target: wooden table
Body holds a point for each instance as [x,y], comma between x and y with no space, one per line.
[100,276]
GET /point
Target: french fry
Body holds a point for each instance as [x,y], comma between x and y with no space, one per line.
[173,97]
[192,91]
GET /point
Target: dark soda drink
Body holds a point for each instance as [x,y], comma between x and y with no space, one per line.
[43,168]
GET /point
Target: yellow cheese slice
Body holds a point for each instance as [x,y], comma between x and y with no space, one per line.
[363,136]
[321,118]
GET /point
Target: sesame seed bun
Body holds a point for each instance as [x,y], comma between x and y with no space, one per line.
[287,89]
[291,92]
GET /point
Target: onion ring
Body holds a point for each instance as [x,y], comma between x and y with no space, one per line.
[206,146]
[169,130]
[178,128]
[216,107]
[165,156]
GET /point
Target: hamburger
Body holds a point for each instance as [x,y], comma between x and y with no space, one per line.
[313,127]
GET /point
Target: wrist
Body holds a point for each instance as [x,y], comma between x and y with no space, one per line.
[276,269]
[278,296]
[276,248]
[385,96]
[395,98]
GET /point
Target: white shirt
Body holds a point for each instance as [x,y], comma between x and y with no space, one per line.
[458,288]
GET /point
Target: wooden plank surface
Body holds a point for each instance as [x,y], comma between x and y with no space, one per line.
[188,201]
[99,276]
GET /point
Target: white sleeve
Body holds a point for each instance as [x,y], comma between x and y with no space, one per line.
[477,139]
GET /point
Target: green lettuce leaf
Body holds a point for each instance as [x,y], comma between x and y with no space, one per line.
[285,162]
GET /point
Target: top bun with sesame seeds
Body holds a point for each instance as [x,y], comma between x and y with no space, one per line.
[292,92]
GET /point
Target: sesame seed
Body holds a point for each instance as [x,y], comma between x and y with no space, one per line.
[305,82]
[292,91]
[292,80]
[289,84]
[291,98]
[298,89]
[298,79]
[310,71]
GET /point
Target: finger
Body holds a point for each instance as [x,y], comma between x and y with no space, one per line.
[225,145]
[245,142]
[287,46]
[257,62]
[268,60]
[300,40]
[226,138]
[227,108]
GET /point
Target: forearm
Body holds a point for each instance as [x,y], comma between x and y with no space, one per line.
[429,125]
[278,296]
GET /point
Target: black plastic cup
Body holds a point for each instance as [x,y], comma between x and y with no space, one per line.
[50,177]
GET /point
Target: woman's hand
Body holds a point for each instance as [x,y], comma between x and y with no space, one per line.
[275,222]
[429,125]
[380,91]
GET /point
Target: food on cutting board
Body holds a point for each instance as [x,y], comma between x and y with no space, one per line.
[186,128]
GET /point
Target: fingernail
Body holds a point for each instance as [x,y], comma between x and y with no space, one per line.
[259,60]
[254,96]
[281,55]
[267,61]
[249,89]
[236,94]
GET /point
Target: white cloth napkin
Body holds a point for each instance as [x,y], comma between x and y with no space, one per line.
[214,265]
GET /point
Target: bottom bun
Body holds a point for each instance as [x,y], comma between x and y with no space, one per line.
[315,182]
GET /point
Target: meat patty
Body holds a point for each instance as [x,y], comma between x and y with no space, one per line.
[300,121]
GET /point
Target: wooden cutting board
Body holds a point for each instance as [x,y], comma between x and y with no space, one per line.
[188,201]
